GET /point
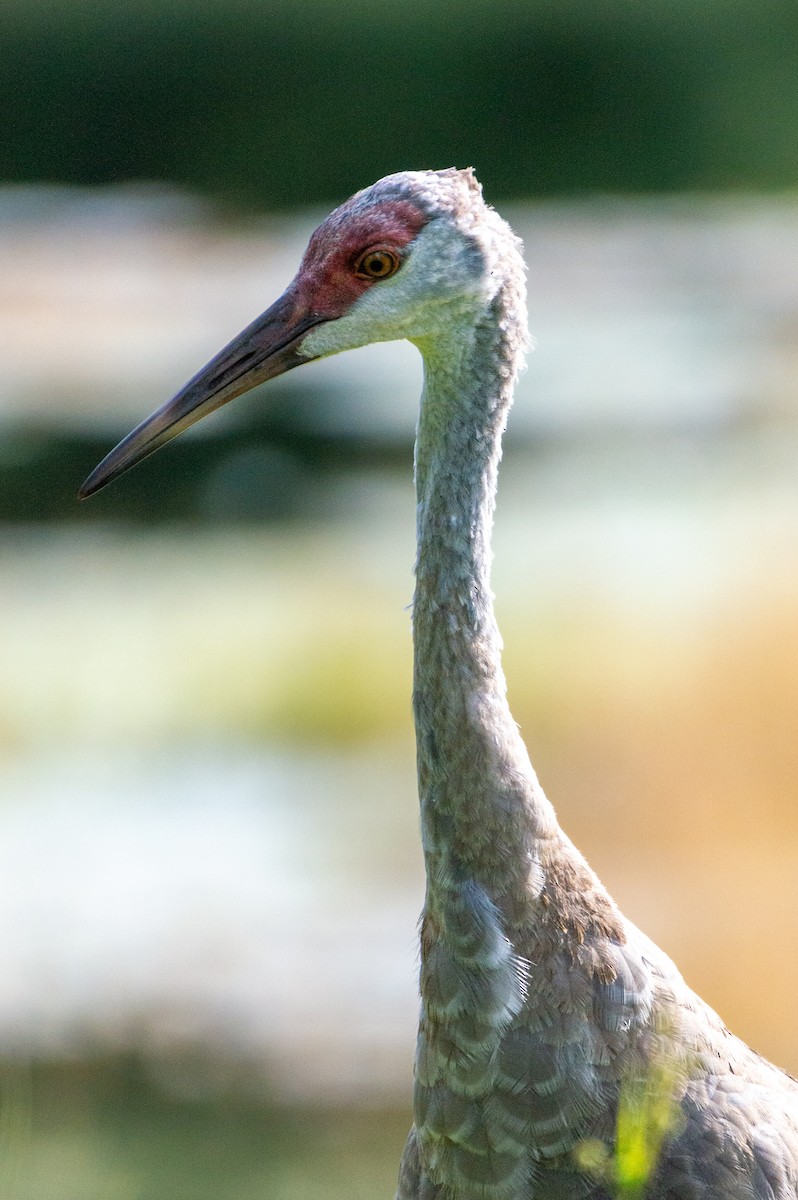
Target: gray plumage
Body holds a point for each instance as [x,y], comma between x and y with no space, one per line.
[539,1000]
[544,1012]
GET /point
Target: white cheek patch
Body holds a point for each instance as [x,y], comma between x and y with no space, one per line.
[444,271]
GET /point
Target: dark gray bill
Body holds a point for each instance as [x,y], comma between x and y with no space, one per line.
[266,348]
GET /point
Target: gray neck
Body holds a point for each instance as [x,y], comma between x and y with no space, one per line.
[481,806]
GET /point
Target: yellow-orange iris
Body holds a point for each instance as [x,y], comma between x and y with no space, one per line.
[377,264]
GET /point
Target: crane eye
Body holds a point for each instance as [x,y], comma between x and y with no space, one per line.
[377,264]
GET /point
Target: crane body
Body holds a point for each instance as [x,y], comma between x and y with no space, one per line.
[547,1019]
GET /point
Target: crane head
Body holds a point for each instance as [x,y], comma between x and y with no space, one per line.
[404,258]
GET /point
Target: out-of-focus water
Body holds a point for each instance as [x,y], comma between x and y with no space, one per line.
[208,838]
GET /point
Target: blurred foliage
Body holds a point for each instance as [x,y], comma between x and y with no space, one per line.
[649,1114]
[260,467]
[107,1128]
[300,101]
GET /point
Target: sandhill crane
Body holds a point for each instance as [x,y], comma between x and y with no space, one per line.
[548,1023]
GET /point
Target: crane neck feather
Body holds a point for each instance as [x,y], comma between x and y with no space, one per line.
[482,808]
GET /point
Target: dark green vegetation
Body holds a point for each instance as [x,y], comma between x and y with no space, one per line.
[105,1130]
[267,465]
[292,102]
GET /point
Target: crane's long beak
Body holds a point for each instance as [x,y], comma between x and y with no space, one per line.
[266,348]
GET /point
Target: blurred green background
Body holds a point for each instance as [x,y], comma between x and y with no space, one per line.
[284,103]
[208,837]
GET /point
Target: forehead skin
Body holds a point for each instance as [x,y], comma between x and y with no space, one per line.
[326,280]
